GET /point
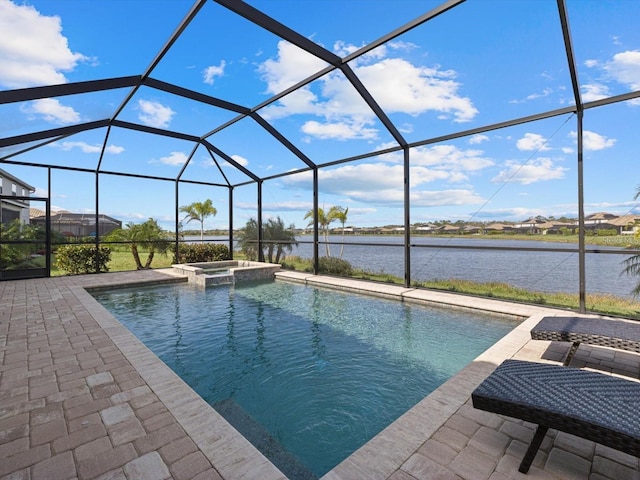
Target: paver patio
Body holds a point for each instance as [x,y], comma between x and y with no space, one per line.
[81,397]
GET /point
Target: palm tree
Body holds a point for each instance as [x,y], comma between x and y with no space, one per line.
[279,238]
[339,213]
[199,211]
[248,240]
[148,235]
[632,264]
[323,223]
[276,239]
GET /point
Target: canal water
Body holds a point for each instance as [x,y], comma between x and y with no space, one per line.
[438,258]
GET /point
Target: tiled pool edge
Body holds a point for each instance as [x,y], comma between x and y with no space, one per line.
[234,457]
[229,452]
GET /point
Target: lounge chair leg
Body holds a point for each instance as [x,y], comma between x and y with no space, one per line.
[533,449]
[572,352]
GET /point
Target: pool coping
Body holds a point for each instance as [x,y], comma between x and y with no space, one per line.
[234,457]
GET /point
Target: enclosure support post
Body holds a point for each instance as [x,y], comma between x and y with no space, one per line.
[316,260]
[260,251]
[97,218]
[231,222]
[581,247]
[177,224]
[47,225]
[407,220]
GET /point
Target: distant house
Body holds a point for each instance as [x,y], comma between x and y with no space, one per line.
[77,224]
[498,227]
[14,203]
[428,228]
[596,219]
[449,229]
[531,225]
[628,224]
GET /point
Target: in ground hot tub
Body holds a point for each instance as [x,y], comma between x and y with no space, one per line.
[222,272]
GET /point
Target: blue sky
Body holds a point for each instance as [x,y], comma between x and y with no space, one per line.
[481,63]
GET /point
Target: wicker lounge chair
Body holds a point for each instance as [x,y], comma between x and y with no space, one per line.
[591,405]
[621,334]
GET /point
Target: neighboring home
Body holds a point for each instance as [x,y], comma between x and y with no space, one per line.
[628,224]
[428,228]
[77,224]
[14,208]
[472,229]
[596,220]
[531,225]
[498,227]
[553,227]
[449,229]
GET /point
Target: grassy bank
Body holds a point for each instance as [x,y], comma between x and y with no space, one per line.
[122,261]
[597,303]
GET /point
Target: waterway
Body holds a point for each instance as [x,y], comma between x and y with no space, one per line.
[438,258]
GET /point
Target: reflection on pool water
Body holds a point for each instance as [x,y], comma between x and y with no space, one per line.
[306,374]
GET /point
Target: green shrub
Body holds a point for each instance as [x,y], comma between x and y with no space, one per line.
[77,259]
[334,266]
[201,252]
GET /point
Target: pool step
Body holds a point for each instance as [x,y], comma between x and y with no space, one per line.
[263,441]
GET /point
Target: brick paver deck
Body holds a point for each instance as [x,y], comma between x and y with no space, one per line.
[81,398]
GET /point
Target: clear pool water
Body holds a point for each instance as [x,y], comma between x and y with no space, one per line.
[308,375]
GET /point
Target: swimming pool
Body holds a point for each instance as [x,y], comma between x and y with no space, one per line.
[306,374]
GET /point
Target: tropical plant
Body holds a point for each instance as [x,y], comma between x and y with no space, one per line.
[277,240]
[199,211]
[632,264]
[202,252]
[336,212]
[147,235]
[20,255]
[340,214]
[77,259]
[323,223]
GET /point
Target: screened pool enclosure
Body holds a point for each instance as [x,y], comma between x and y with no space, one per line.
[426,122]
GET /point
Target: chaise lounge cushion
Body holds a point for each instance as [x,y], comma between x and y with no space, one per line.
[611,333]
[595,406]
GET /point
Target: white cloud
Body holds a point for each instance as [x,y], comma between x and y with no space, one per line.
[594,91]
[52,111]
[154,114]
[377,183]
[339,130]
[396,84]
[174,158]
[624,67]
[533,96]
[450,158]
[241,160]
[479,138]
[33,50]
[211,72]
[594,141]
[591,63]
[438,198]
[287,206]
[291,66]
[538,170]
[400,86]
[87,148]
[531,142]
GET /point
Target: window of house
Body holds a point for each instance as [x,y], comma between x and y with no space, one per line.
[14,190]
